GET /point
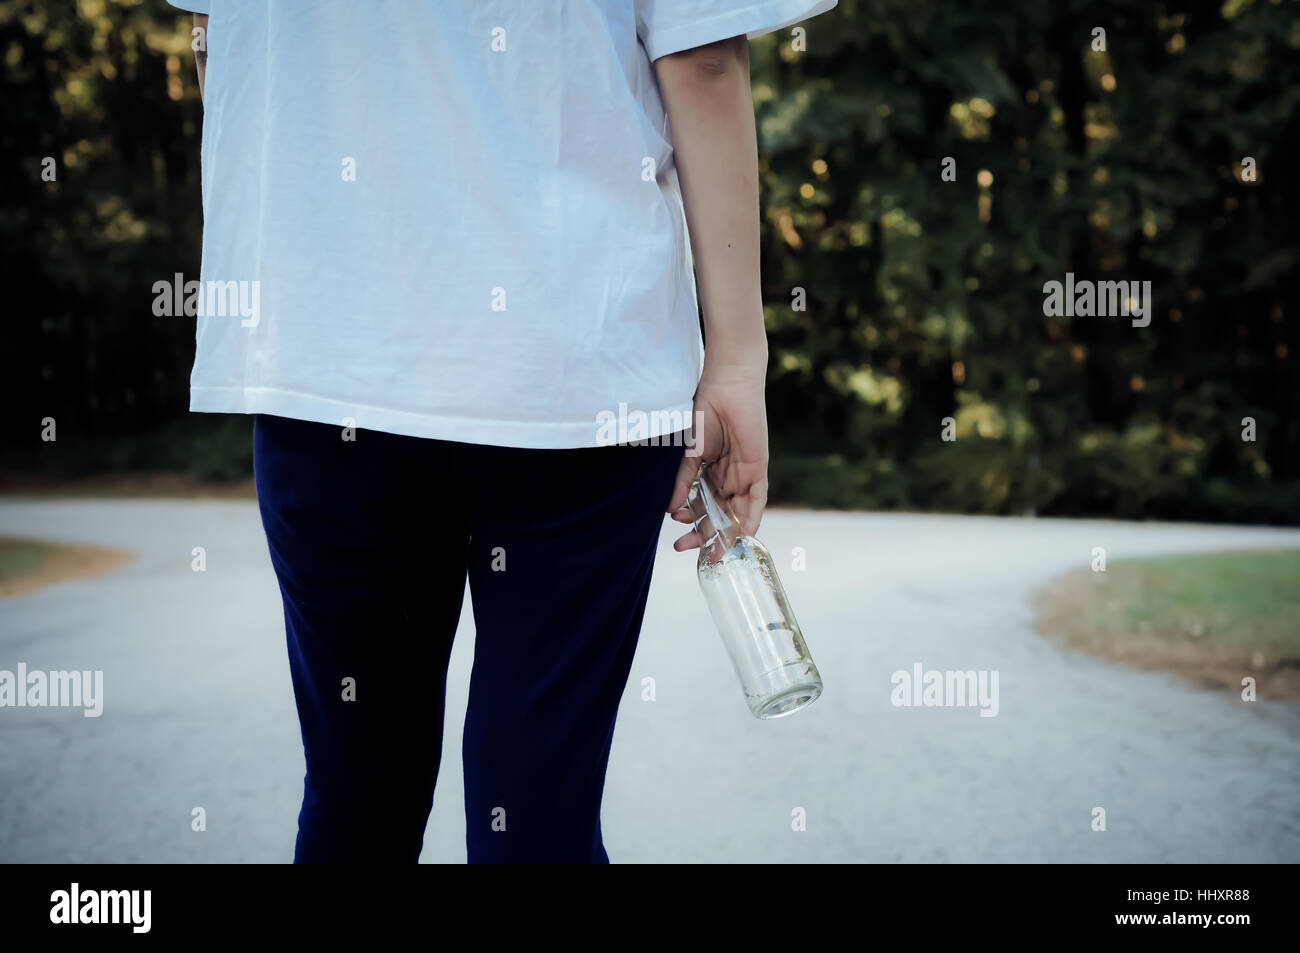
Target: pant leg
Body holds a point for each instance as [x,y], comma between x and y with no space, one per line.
[561,552]
[372,577]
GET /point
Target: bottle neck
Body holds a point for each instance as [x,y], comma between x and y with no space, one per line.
[716,523]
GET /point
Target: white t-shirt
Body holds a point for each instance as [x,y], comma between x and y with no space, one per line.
[457,220]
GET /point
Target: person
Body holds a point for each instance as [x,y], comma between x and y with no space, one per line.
[456,240]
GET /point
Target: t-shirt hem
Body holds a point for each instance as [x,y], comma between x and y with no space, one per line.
[522,434]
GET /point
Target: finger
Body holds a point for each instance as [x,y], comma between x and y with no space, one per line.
[685,477]
[690,541]
[682,515]
[755,505]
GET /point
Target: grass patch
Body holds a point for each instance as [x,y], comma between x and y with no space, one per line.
[19,557]
[1215,618]
[29,564]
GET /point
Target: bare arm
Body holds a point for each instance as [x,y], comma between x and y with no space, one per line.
[201,54]
[711,120]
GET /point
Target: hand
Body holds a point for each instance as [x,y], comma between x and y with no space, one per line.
[730,433]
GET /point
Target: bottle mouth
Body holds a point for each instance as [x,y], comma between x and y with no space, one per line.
[707,513]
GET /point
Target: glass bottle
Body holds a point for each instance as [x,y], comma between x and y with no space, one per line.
[750,609]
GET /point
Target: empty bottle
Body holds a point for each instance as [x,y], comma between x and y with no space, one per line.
[750,609]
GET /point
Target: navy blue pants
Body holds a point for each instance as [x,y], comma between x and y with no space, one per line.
[372,541]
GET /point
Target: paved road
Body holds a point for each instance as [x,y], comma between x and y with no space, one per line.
[198,710]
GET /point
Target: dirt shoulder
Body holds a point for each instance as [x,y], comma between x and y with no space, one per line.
[1156,616]
[131,485]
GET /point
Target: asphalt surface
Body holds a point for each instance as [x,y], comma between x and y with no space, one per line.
[198,709]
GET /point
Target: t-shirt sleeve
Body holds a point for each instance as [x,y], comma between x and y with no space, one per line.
[193,6]
[670,26]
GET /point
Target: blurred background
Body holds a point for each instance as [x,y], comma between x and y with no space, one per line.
[1169,691]
[923,297]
